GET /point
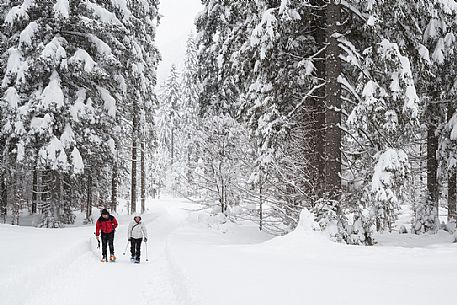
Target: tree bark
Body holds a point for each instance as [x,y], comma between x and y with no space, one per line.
[452,181]
[14,197]
[318,101]
[172,148]
[34,191]
[114,187]
[261,204]
[134,158]
[89,196]
[432,164]
[53,217]
[62,204]
[3,197]
[451,212]
[41,191]
[143,178]
[333,104]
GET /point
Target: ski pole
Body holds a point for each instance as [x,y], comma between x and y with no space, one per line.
[98,241]
[146,243]
[126,246]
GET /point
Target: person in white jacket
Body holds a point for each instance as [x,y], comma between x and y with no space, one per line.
[137,233]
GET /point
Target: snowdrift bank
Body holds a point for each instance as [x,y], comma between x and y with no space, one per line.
[244,266]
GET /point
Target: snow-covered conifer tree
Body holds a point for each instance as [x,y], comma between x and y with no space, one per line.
[191,88]
[170,113]
[387,117]
[62,88]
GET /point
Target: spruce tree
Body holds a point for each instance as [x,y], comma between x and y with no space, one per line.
[61,91]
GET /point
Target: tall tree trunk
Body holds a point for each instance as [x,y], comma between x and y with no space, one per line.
[134,158]
[451,193]
[261,203]
[189,160]
[72,189]
[89,195]
[333,103]
[3,197]
[318,101]
[15,196]
[172,148]
[143,178]
[432,181]
[223,198]
[452,180]
[52,217]
[62,204]
[35,191]
[40,191]
[114,187]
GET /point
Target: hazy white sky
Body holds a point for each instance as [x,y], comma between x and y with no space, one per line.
[176,24]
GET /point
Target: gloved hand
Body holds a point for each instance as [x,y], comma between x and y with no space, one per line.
[145,240]
[130,239]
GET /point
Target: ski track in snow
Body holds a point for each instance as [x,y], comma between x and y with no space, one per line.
[78,277]
[181,282]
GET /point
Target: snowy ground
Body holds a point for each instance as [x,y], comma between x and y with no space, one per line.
[192,263]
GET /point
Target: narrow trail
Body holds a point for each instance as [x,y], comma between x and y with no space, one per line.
[84,279]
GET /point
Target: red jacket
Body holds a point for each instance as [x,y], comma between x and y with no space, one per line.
[105,225]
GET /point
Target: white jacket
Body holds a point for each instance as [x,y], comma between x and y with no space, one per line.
[137,230]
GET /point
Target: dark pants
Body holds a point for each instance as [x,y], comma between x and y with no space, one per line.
[107,239]
[135,247]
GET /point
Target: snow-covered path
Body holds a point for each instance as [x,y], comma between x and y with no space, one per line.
[65,269]
[191,262]
[120,283]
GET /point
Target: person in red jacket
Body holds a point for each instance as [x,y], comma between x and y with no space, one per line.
[106,224]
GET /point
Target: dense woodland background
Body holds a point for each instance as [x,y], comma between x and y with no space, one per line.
[346,108]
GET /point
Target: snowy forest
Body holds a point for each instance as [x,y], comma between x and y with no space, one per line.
[344,107]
